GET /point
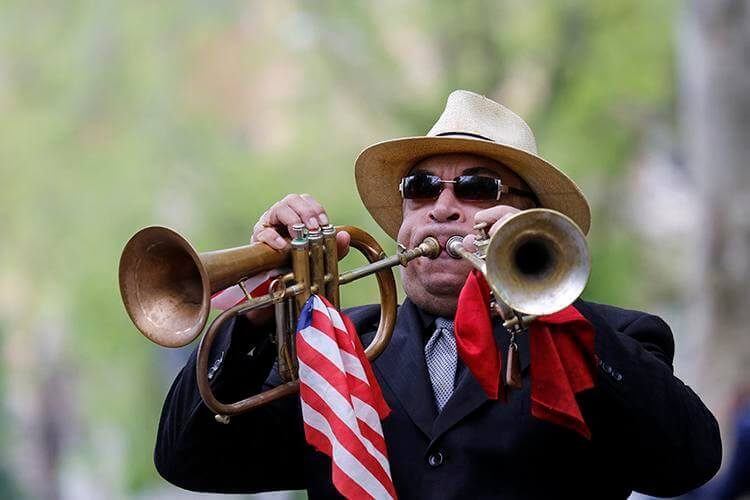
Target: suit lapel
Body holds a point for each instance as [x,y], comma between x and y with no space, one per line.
[402,367]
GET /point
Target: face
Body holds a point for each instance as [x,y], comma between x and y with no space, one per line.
[433,285]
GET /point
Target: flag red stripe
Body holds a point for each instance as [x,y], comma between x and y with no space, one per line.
[311,357]
[344,484]
[378,401]
[322,323]
[326,369]
[346,437]
[371,394]
[373,436]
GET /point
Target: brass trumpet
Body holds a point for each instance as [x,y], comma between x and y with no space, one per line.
[536,263]
[166,287]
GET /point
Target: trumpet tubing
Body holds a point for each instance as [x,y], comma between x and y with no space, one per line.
[166,287]
[536,263]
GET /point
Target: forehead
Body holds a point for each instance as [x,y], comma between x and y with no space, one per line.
[452,165]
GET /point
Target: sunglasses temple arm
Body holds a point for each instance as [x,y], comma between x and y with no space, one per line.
[503,189]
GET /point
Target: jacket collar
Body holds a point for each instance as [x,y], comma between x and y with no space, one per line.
[402,366]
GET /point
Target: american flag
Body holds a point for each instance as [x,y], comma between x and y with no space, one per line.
[342,405]
[255,285]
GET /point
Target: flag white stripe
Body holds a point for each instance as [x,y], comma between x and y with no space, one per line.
[368,415]
[328,347]
[347,462]
[336,317]
[232,295]
[338,403]
[340,406]
[331,312]
[227,298]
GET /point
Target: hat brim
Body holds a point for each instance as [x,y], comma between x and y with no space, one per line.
[380,167]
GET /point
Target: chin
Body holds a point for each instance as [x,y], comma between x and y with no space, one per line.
[439,306]
[444,286]
[436,295]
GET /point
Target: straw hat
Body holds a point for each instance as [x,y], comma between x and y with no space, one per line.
[474,124]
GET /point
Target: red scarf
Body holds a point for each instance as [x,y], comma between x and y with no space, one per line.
[562,355]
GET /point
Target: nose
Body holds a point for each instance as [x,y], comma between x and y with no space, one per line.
[446,208]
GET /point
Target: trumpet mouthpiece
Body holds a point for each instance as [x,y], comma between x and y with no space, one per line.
[453,245]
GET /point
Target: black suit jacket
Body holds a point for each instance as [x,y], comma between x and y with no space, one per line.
[650,432]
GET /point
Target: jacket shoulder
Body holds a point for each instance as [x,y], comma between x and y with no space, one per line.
[619,318]
[365,318]
[649,330]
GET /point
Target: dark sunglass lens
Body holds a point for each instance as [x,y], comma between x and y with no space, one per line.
[422,186]
[476,187]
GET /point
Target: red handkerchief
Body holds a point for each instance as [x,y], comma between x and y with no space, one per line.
[562,365]
[562,355]
[474,340]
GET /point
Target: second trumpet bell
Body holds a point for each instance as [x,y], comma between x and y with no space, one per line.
[538,262]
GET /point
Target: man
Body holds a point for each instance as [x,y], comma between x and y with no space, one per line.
[648,431]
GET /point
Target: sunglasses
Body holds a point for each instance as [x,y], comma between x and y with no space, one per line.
[423,186]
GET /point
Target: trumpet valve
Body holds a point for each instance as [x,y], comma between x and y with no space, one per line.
[483,239]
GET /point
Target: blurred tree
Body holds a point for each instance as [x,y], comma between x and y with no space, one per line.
[715,71]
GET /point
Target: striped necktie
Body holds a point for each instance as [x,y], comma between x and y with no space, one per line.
[440,356]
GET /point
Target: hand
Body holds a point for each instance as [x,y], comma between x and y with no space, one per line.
[294,209]
[494,217]
[277,221]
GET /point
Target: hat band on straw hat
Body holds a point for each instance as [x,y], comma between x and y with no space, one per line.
[467,134]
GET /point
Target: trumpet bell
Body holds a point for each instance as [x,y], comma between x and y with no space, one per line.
[538,262]
[164,286]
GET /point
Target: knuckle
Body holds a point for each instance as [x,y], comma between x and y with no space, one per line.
[266,234]
[310,199]
[293,198]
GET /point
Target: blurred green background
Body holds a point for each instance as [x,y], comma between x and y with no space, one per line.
[200,114]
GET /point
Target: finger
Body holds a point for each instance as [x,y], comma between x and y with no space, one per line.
[499,223]
[468,242]
[492,214]
[343,240]
[317,207]
[257,228]
[270,237]
[265,219]
[307,212]
[282,214]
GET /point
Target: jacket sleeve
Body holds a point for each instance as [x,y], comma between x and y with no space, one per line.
[667,441]
[258,451]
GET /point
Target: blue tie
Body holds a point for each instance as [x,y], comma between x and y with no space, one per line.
[440,356]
